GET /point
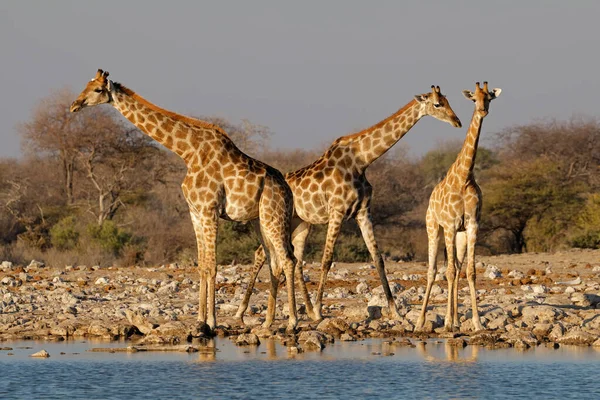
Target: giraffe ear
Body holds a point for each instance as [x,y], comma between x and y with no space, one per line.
[496,92]
[468,94]
[421,98]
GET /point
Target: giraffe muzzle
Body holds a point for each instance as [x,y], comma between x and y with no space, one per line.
[76,106]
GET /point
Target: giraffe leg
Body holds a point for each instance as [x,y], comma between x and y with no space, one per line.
[433,234]
[450,237]
[333,231]
[201,267]
[461,249]
[259,260]
[275,215]
[209,235]
[299,241]
[471,273]
[366,227]
[275,272]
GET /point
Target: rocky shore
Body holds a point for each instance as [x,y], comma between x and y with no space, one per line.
[525,300]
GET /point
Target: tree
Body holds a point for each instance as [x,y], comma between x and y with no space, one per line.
[53,131]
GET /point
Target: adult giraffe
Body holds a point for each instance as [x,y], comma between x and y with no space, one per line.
[455,206]
[334,188]
[221,181]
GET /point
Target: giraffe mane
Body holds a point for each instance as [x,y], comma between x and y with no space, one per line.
[171,114]
[377,125]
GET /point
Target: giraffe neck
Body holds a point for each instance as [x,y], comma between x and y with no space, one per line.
[465,161]
[175,132]
[373,142]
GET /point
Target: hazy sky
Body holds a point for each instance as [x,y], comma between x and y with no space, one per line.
[310,70]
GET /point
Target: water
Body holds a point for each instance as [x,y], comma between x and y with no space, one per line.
[359,370]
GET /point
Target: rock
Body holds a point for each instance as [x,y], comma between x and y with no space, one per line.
[333,326]
[577,336]
[378,300]
[557,332]
[498,323]
[374,312]
[362,288]
[41,354]
[6,266]
[539,289]
[228,308]
[542,330]
[314,340]
[102,281]
[516,274]
[596,343]
[171,328]
[576,281]
[483,339]
[36,265]
[492,272]
[346,337]
[136,319]
[516,335]
[247,339]
[542,313]
[99,329]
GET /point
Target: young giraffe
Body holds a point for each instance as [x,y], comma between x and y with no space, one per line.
[455,206]
[221,181]
[335,188]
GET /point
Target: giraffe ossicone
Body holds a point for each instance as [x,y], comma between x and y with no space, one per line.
[221,181]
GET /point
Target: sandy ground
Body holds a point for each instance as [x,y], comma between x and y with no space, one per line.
[524,300]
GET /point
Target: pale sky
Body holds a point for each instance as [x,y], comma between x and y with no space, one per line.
[309,70]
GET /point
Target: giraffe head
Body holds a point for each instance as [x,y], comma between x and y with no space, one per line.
[97,91]
[482,97]
[436,105]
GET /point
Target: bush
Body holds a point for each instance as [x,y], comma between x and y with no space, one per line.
[110,237]
[64,235]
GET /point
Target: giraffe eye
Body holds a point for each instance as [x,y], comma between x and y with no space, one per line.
[98,90]
[437,105]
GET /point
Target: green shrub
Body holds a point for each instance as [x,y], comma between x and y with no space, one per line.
[110,237]
[64,235]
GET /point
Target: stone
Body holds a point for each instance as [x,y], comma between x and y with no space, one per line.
[333,326]
[374,312]
[41,354]
[542,313]
[498,323]
[346,337]
[171,328]
[516,335]
[6,266]
[247,339]
[102,281]
[577,336]
[136,319]
[483,339]
[362,288]
[515,274]
[492,272]
[314,340]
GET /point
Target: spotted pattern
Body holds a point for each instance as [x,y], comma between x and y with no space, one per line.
[221,182]
[334,188]
[455,207]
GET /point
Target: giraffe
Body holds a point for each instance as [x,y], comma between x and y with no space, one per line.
[455,206]
[334,188]
[221,182]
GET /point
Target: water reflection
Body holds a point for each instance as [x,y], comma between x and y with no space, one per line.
[431,352]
